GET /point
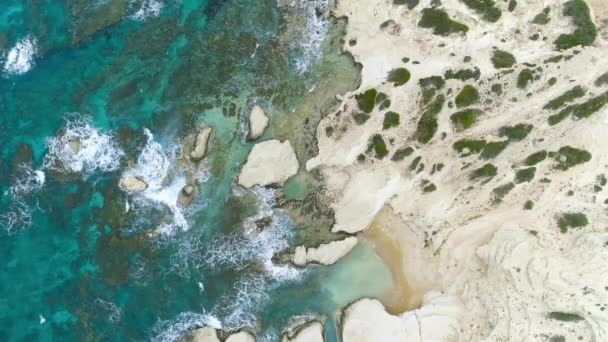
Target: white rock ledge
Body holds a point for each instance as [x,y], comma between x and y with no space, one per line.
[269,162]
[312,332]
[258,121]
[326,254]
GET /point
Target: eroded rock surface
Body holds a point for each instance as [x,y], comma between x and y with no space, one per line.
[325,254]
[269,162]
[258,121]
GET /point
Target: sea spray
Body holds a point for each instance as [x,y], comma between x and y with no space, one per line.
[21,200]
[80,147]
[20,58]
[173,331]
[146,9]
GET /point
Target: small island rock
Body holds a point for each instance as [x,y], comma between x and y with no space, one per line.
[201,144]
[258,121]
[269,162]
[133,184]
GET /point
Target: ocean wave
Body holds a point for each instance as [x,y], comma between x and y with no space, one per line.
[146,9]
[20,58]
[174,330]
[310,39]
[28,181]
[22,204]
[18,215]
[240,310]
[114,313]
[82,148]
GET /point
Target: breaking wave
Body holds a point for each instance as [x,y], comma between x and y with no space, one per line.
[309,39]
[20,58]
[22,204]
[173,331]
[82,148]
[146,9]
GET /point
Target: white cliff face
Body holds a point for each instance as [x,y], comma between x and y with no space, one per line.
[241,336]
[312,332]
[493,224]
[258,121]
[325,254]
[269,162]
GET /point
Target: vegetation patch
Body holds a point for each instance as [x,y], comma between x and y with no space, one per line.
[367,100]
[524,78]
[502,59]
[565,316]
[585,32]
[525,175]
[429,87]
[401,153]
[602,80]
[409,3]
[428,187]
[399,76]
[552,81]
[439,20]
[427,125]
[516,133]
[467,147]
[497,89]
[566,97]
[361,118]
[535,158]
[581,110]
[543,17]
[463,74]
[502,191]
[568,157]
[465,118]
[378,145]
[493,149]
[467,96]
[391,119]
[383,101]
[486,8]
[486,171]
[512,5]
[415,163]
[529,205]
[571,220]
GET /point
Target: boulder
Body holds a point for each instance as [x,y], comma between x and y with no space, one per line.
[201,143]
[133,184]
[311,332]
[269,162]
[186,195]
[74,146]
[202,335]
[242,336]
[258,121]
[325,254]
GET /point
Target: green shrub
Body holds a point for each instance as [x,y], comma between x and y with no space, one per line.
[378,145]
[391,119]
[497,88]
[585,32]
[565,316]
[524,78]
[516,133]
[602,80]
[493,149]
[467,96]
[429,188]
[367,100]
[486,8]
[512,5]
[401,153]
[566,97]
[552,81]
[440,22]
[502,59]
[586,109]
[409,3]
[486,171]
[529,205]
[525,175]
[542,18]
[465,118]
[427,125]
[399,76]
[502,191]
[535,158]
[415,163]
[361,118]
[471,146]
[463,74]
[569,156]
[571,220]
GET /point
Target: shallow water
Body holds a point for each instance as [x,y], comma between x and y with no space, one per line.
[82,260]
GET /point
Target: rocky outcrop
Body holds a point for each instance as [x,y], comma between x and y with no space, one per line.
[186,195]
[311,332]
[241,336]
[202,335]
[258,121]
[133,184]
[269,162]
[74,146]
[326,254]
[201,144]
[437,320]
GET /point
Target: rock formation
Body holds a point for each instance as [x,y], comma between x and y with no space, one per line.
[258,121]
[241,336]
[325,254]
[269,162]
[201,143]
[202,335]
[310,332]
[133,184]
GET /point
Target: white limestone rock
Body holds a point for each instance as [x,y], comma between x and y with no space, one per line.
[325,254]
[203,335]
[258,121]
[132,184]
[201,144]
[312,332]
[241,336]
[269,162]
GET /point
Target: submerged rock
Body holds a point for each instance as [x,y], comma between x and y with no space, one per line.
[201,144]
[133,184]
[311,332]
[258,121]
[202,335]
[326,254]
[269,162]
[242,336]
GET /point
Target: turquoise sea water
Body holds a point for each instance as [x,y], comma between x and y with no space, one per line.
[80,260]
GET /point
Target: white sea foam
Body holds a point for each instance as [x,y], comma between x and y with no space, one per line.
[241,310]
[22,202]
[173,331]
[28,182]
[20,59]
[314,32]
[18,215]
[111,309]
[146,9]
[98,151]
